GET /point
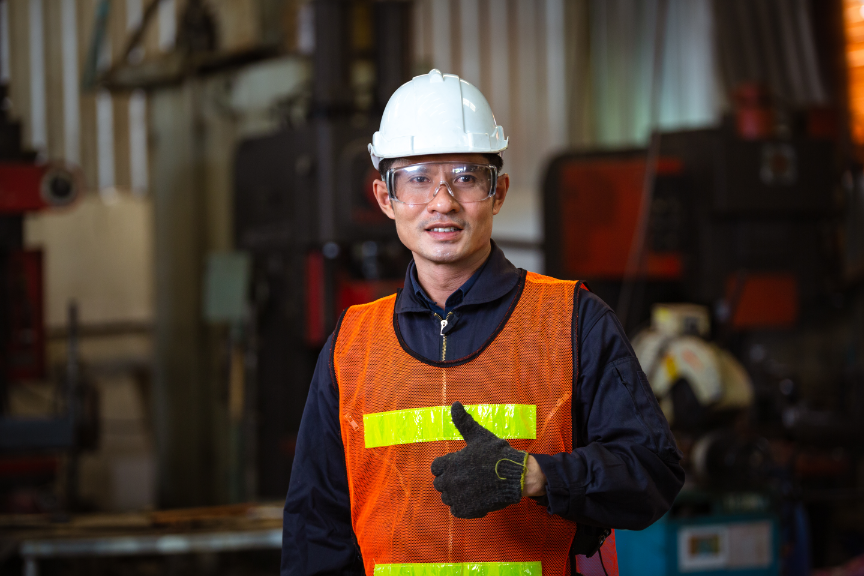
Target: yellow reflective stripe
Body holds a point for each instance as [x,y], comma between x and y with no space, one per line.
[461,569]
[434,423]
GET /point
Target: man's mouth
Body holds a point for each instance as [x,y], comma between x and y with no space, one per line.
[443,227]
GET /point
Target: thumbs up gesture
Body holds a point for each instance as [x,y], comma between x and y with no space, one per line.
[486,475]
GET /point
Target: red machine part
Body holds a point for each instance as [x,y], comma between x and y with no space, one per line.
[598,229]
[28,466]
[763,300]
[33,187]
[348,293]
[25,349]
[24,479]
[754,113]
[315,330]
[363,291]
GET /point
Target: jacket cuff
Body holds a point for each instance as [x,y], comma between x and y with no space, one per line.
[562,499]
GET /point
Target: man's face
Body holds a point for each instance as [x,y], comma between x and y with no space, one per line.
[444,231]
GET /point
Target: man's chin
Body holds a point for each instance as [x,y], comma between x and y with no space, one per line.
[442,254]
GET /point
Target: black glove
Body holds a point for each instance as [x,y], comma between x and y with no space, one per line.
[487,475]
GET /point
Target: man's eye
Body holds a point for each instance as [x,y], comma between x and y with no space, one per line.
[419,180]
[466,179]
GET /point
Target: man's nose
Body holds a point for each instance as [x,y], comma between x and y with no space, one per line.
[443,200]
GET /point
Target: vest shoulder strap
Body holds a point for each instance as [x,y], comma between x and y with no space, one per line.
[359,315]
[541,279]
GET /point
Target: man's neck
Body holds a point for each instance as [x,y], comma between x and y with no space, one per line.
[441,280]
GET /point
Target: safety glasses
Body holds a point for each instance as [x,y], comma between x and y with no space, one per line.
[419,183]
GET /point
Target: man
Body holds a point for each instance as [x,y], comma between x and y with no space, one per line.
[562,436]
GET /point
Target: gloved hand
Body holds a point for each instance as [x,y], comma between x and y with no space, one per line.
[487,475]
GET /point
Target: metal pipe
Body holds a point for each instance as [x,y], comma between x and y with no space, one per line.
[392,48]
[331,88]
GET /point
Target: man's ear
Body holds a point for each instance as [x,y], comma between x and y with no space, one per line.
[500,192]
[379,188]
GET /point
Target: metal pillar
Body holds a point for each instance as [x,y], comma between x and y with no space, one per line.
[181,391]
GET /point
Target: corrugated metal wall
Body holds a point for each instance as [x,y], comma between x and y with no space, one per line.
[514,51]
[44,48]
[520,53]
[623,35]
[771,42]
[573,73]
[551,84]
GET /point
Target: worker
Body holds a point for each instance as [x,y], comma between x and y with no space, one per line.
[484,419]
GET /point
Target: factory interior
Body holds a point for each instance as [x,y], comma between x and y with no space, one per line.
[187,207]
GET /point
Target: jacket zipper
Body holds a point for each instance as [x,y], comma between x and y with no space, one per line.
[444,322]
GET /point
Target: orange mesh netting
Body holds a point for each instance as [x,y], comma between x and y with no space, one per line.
[397,514]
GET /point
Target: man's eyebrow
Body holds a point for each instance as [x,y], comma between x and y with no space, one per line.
[416,167]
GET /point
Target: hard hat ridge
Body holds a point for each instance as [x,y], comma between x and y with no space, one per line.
[436,113]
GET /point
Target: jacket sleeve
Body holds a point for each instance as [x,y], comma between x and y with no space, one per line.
[317,537]
[624,471]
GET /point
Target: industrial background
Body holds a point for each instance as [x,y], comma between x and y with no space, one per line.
[185,208]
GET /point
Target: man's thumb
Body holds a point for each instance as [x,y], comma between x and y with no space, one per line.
[465,423]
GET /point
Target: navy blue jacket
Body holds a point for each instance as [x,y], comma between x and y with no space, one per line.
[623,473]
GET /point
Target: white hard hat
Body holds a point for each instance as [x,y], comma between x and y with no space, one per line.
[436,114]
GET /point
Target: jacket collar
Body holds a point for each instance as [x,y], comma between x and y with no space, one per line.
[497,277]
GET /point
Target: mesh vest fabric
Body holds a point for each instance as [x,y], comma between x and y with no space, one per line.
[397,515]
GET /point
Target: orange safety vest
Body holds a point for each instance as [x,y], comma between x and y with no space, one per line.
[395,419]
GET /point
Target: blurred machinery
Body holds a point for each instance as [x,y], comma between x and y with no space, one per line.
[704,393]
[305,212]
[742,225]
[738,225]
[698,384]
[29,447]
[730,523]
[707,534]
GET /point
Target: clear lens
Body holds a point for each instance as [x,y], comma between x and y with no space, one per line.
[419,183]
